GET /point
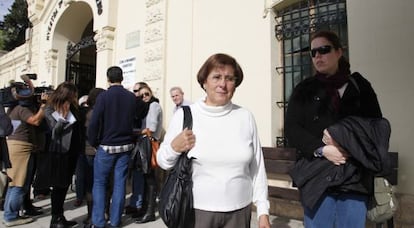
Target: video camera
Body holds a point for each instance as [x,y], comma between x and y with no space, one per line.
[23,93]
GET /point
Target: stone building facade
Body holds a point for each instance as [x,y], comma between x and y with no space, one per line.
[164,43]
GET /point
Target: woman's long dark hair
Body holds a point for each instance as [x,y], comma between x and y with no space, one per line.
[66,91]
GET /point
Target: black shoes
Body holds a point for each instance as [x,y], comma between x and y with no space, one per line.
[130,210]
[149,201]
[138,214]
[32,212]
[146,218]
[59,221]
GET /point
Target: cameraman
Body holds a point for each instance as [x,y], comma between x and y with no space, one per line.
[21,143]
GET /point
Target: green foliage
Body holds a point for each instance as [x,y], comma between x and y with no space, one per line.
[15,25]
[1,39]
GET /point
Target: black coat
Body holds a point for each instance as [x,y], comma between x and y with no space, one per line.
[367,142]
[310,111]
[63,148]
[6,128]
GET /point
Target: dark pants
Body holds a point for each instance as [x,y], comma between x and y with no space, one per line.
[232,219]
[58,199]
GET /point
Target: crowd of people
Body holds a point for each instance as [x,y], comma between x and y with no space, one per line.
[93,138]
[62,137]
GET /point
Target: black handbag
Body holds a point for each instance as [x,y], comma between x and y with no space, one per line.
[140,158]
[176,198]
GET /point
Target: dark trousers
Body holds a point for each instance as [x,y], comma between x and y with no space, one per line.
[232,219]
[58,199]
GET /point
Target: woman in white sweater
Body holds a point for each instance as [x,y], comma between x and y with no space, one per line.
[228,169]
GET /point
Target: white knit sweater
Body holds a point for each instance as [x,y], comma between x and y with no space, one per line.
[229,171]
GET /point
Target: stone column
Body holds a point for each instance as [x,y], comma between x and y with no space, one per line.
[51,65]
[104,53]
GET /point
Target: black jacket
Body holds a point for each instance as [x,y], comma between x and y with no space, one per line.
[310,111]
[64,142]
[367,142]
[6,128]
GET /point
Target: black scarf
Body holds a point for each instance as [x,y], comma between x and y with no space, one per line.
[144,106]
[333,83]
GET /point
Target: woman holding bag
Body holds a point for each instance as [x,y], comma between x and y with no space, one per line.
[228,166]
[151,125]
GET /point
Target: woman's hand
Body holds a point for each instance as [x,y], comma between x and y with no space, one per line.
[332,151]
[144,131]
[335,154]
[264,221]
[327,139]
[44,96]
[184,141]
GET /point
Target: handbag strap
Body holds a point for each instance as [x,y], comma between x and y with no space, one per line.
[188,118]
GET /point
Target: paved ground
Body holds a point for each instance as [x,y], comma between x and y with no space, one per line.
[79,214]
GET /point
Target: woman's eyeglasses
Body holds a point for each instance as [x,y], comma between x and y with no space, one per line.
[227,78]
[135,90]
[322,50]
[146,94]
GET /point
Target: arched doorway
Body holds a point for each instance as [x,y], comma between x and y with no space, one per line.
[74,46]
[81,62]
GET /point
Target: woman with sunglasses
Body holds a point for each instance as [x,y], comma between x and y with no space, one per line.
[315,104]
[152,124]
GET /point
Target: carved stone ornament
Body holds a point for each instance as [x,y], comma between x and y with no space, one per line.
[154,33]
[154,40]
[104,39]
[150,3]
[154,14]
[34,9]
[153,52]
[51,56]
[153,70]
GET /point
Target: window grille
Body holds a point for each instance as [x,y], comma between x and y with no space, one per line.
[294,27]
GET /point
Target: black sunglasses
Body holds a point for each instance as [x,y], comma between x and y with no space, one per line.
[146,94]
[322,50]
[135,90]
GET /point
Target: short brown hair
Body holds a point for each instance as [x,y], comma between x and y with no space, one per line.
[219,60]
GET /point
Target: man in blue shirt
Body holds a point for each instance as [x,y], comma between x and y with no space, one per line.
[111,132]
